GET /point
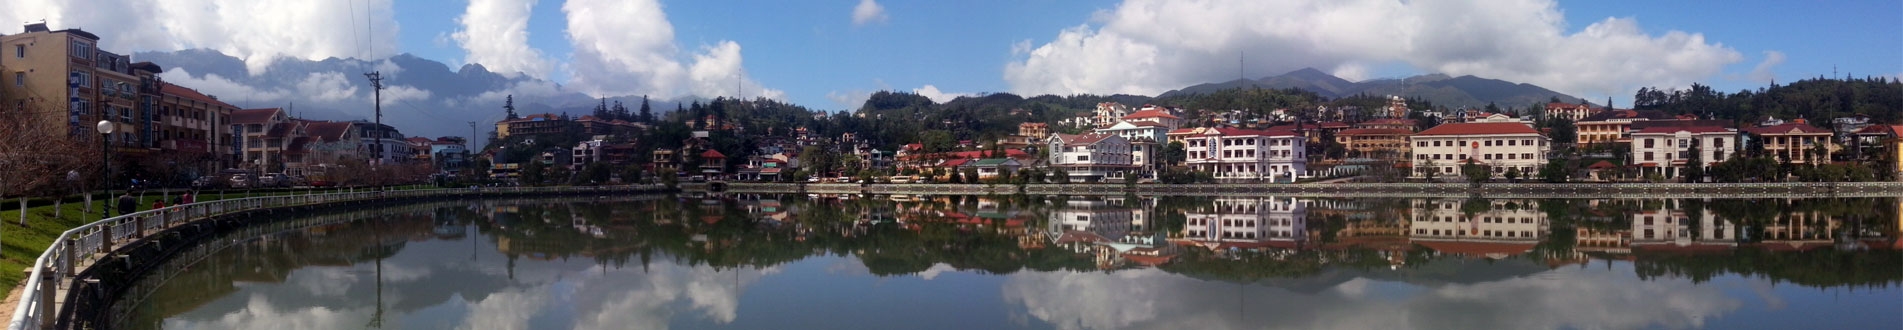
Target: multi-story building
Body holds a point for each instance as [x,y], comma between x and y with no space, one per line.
[1796,141]
[1613,127]
[545,123]
[70,85]
[1242,155]
[1107,114]
[449,153]
[1668,150]
[1378,143]
[191,123]
[1501,146]
[1672,228]
[262,136]
[1146,130]
[1091,157]
[1569,111]
[382,143]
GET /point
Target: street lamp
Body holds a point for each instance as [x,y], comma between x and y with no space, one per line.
[105,165]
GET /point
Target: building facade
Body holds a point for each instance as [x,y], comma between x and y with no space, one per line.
[1501,146]
[1091,157]
[1796,141]
[1233,154]
[1668,151]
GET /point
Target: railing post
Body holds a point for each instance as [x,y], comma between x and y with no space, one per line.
[138,225]
[49,284]
[71,256]
[105,242]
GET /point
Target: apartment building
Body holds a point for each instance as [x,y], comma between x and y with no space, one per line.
[1796,140]
[1091,157]
[70,84]
[1668,150]
[1234,154]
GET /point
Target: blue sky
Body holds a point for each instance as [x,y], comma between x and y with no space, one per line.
[817,54]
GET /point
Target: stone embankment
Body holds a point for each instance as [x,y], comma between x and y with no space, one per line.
[1425,190]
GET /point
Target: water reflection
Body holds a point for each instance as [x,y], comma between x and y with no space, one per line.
[1056,262]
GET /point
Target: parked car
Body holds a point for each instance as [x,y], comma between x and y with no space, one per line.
[240,181]
[271,180]
[207,182]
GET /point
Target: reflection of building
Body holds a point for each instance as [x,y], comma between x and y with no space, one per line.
[1248,223]
[1478,228]
[1675,229]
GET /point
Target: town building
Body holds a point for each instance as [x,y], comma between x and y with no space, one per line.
[1377,143]
[1796,141]
[69,84]
[1501,146]
[1613,127]
[1667,151]
[1449,227]
[263,135]
[195,128]
[536,124]
[1234,154]
[1569,111]
[1247,224]
[1091,157]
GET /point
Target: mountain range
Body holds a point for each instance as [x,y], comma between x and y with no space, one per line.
[424,97]
[1453,92]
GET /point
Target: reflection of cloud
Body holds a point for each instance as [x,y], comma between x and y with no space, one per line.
[1583,299]
[259,313]
[938,268]
[510,309]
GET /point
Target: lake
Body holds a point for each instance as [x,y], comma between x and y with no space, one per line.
[1054,262]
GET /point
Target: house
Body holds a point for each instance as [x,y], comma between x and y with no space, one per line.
[993,168]
[1795,141]
[1107,114]
[712,163]
[1091,157]
[1235,154]
[1498,233]
[1155,114]
[1246,223]
[1146,142]
[1502,146]
[1668,151]
[1378,143]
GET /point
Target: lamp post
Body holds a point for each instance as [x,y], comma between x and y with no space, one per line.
[105,128]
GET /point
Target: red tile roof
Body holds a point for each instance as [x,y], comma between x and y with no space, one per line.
[1478,129]
[1081,139]
[711,153]
[1676,129]
[1375,131]
[192,94]
[1788,128]
[1152,113]
[328,131]
[253,116]
[1334,124]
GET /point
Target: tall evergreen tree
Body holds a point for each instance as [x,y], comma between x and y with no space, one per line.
[508,104]
[601,111]
[647,114]
[620,112]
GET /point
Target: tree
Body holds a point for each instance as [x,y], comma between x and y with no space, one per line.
[646,114]
[631,174]
[1059,175]
[1175,153]
[957,176]
[1476,173]
[1513,174]
[620,112]
[1555,171]
[601,111]
[1428,169]
[532,172]
[508,106]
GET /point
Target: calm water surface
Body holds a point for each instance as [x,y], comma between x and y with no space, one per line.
[819,262]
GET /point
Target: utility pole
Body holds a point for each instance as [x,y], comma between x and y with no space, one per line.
[472,137]
[376,84]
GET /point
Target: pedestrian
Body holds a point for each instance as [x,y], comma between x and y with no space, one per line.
[178,200]
[189,198]
[127,204]
[158,203]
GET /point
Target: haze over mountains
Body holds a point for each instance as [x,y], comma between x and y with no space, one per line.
[425,97]
[1453,92]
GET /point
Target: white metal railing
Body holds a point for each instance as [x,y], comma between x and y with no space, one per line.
[94,240]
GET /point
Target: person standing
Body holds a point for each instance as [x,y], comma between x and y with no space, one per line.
[127,204]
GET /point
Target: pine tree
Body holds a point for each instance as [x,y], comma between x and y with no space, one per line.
[621,112]
[647,114]
[601,111]
[508,104]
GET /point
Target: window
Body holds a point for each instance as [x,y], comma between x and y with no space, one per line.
[82,50]
[82,78]
[1083,158]
[1512,143]
[1718,143]
[19,79]
[1682,143]
[1648,144]
[19,51]
[1648,154]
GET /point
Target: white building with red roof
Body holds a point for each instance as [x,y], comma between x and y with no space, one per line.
[1668,150]
[1796,141]
[1247,224]
[1499,232]
[1502,146]
[1091,157]
[1235,154]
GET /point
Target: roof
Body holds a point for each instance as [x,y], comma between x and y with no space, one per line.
[711,153]
[192,94]
[1628,114]
[1081,139]
[1788,128]
[992,162]
[329,131]
[1676,129]
[1375,131]
[1601,165]
[954,162]
[1334,124]
[1478,129]
[1151,113]
[254,116]
[1890,130]
[1388,121]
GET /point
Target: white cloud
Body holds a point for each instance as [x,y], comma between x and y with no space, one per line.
[932,92]
[850,100]
[868,12]
[1151,46]
[258,32]
[1762,73]
[628,48]
[496,34]
[327,87]
[402,93]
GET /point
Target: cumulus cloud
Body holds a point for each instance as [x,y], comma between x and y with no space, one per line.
[1762,73]
[932,92]
[1151,46]
[868,12]
[851,99]
[259,32]
[628,48]
[222,87]
[496,34]
[326,87]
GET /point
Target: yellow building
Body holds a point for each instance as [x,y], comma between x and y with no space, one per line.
[71,84]
[1796,141]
